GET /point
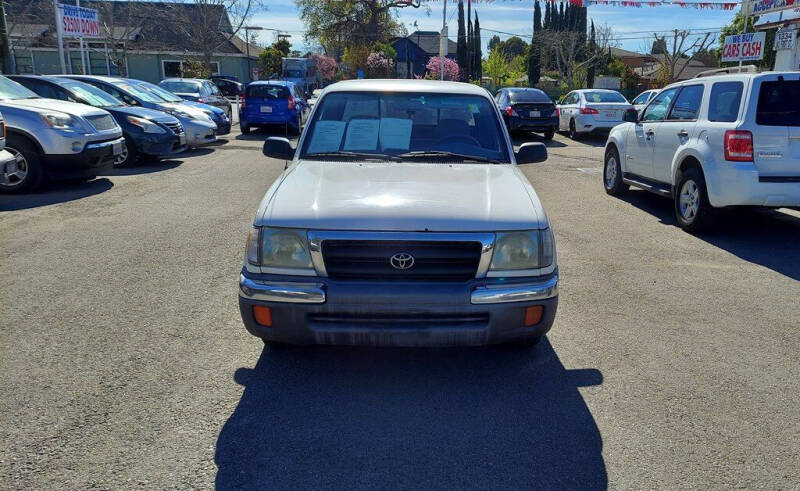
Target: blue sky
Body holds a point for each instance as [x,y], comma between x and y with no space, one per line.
[632,26]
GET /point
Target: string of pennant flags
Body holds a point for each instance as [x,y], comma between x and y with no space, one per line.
[658,3]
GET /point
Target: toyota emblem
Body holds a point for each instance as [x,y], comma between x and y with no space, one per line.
[402,260]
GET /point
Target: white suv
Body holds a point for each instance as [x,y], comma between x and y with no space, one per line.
[729,137]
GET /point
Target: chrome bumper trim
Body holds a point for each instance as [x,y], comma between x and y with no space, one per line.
[516,293]
[92,146]
[281,292]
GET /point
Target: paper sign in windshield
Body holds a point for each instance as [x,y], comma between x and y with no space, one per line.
[362,135]
[395,133]
[327,136]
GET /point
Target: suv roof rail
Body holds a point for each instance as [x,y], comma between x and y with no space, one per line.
[732,69]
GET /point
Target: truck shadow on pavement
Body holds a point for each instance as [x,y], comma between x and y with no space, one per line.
[54,193]
[144,168]
[325,417]
[766,237]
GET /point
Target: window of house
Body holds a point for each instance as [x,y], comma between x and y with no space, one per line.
[174,68]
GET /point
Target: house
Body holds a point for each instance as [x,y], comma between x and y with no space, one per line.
[631,58]
[415,50]
[142,39]
[684,68]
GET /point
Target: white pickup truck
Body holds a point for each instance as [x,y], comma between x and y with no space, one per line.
[402,219]
[730,137]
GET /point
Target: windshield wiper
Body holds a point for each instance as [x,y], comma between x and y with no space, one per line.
[354,155]
[444,153]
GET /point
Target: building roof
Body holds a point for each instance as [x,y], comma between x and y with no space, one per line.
[428,41]
[690,68]
[406,85]
[623,53]
[143,25]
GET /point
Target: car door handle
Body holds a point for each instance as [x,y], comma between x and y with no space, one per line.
[683,134]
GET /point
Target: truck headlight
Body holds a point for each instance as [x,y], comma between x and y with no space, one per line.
[280,248]
[146,125]
[529,249]
[61,121]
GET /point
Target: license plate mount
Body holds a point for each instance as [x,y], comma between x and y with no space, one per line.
[266,109]
[611,114]
[117,147]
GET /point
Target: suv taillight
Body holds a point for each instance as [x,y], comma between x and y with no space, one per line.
[291,102]
[588,110]
[738,146]
[241,103]
[510,111]
[3,129]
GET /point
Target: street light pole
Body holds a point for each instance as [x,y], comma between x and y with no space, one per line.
[247,30]
[443,42]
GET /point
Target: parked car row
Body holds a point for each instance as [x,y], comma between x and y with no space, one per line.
[78,126]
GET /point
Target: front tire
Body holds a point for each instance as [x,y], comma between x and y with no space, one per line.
[693,211]
[26,173]
[612,173]
[245,130]
[129,155]
[548,135]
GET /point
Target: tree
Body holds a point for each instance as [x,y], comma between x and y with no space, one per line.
[451,70]
[659,46]
[461,44]
[565,47]
[561,19]
[547,24]
[208,24]
[119,21]
[478,60]
[534,54]
[269,61]
[494,41]
[679,53]
[496,68]
[283,45]
[337,25]
[378,65]
[326,65]
[513,47]
[592,49]
[537,17]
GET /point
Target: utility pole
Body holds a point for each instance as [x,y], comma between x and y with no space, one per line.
[469,40]
[60,37]
[247,30]
[443,41]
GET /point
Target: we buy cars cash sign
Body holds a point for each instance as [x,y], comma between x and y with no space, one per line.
[744,47]
[78,21]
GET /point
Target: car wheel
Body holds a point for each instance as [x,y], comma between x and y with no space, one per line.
[548,135]
[245,129]
[612,173]
[25,173]
[129,155]
[573,133]
[692,208]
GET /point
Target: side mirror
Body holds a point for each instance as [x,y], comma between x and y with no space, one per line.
[278,148]
[531,153]
[631,116]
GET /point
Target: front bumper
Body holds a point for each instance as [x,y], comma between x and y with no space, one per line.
[199,133]
[96,157]
[324,311]
[160,145]
[588,124]
[223,126]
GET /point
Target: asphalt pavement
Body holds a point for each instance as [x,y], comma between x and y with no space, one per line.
[673,362]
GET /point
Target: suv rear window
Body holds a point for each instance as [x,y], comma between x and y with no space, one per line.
[267,92]
[723,106]
[779,103]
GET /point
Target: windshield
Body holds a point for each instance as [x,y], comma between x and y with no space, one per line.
[529,96]
[293,73]
[393,124]
[180,86]
[91,95]
[12,90]
[157,92]
[138,92]
[604,97]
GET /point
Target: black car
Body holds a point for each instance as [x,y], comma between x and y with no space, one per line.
[526,109]
[227,86]
[148,133]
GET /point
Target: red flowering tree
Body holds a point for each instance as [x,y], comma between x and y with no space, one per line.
[378,65]
[451,70]
[327,66]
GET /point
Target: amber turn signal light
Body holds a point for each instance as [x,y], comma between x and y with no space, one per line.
[533,315]
[262,315]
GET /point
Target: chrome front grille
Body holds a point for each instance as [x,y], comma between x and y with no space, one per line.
[102,122]
[176,128]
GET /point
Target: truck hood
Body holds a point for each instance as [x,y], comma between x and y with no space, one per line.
[43,105]
[402,197]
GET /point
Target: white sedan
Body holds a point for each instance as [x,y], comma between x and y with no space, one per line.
[643,99]
[588,111]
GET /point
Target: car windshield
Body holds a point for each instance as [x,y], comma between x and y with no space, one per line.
[406,125]
[180,86]
[138,92]
[91,95]
[12,90]
[158,92]
[523,96]
[596,96]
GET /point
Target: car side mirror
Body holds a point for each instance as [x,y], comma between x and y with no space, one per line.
[631,116]
[531,153]
[278,148]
